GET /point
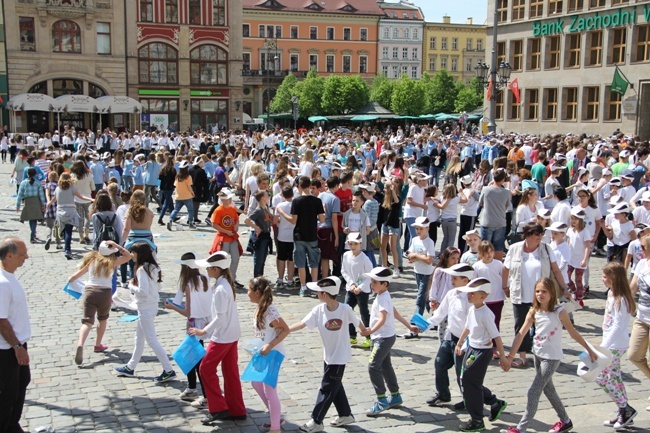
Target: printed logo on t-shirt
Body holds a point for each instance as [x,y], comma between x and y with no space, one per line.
[334,324]
[227,221]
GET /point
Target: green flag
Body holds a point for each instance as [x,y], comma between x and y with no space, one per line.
[619,83]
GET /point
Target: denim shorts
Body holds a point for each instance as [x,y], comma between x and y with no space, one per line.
[496,235]
[303,250]
[388,230]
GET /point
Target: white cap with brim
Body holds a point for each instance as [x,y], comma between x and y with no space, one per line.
[183,164]
[477,285]
[330,285]
[105,250]
[620,208]
[645,196]
[544,213]
[220,259]
[558,226]
[226,194]
[578,213]
[370,187]
[460,270]
[466,180]
[380,274]
[189,262]
[421,222]
[354,237]
[470,233]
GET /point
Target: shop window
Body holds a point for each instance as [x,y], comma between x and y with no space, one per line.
[158,64]
[27,34]
[66,37]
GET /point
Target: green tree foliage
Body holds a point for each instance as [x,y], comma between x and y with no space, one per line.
[343,94]
[310,94]
[469,97]
[407,98]
[440,93]
[381,91]
[281,103]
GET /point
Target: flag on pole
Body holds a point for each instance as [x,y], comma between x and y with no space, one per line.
[619,83]
[489,91]
[514,88]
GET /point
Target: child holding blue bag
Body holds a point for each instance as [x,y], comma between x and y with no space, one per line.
[271,328]
[193,285]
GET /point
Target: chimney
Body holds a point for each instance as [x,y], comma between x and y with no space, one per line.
[446,19]
[470,21]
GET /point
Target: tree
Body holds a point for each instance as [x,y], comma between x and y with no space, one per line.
[310,95]
[381,91]
[407,98]
[281,103]
[440,93]
[344,94]
[469,97]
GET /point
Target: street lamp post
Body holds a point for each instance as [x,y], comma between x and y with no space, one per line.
[271,45]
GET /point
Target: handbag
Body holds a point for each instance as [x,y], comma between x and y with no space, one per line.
[373,239]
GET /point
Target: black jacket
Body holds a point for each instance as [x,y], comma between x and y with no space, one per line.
[200,183]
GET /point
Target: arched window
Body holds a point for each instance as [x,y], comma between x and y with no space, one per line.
[208,65]
[406,33]
[158,64]
[66,37]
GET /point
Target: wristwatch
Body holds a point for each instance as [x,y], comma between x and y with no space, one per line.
[17,346]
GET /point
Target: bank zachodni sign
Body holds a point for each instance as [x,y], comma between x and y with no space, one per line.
[597,21]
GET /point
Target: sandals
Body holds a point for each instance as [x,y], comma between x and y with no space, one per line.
[100,348]
[519,363]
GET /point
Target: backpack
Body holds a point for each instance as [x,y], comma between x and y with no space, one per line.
[106,232]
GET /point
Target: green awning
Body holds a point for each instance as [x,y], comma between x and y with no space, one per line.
[364,118]
[406,117]
[315,119]
[474,117]
[427,116]
[277,116]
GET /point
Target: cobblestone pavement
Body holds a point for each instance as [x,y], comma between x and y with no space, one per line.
[91,398]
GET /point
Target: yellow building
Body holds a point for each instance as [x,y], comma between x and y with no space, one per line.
[456,48]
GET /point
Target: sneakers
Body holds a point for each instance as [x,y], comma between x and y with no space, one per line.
[460,405]
[169,225]
[395,401]
[510,430]
[472,425]
[79,355]
[215,416]
[201,403]
[208,222]
[437,399]
[279,283]
[410,335]
[166,376]
[189,395]
[561,426]
[304,292]
[497,409]
[124,371]
[268,424]
[380,405]
[47,244]
[365,344]
[101,348]
[625,417]
[311,426]
[353,340]
[395,273]
[340,421]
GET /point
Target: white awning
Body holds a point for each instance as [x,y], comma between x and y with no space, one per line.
[76,103]
[32,102]
[118,104]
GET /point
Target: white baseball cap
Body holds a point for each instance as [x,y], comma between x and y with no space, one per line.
[477,285]
[105,250]
[220,259]
[330,285]
[380,274]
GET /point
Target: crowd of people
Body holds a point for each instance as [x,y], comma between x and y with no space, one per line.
[478,219]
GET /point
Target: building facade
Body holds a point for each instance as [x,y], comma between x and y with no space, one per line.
[4,89]
[184,61]
[283,37]
[457,48]
[564,55]
[401,32]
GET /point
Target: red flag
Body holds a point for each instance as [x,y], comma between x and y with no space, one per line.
[1,100]
[514,87]
[489,91]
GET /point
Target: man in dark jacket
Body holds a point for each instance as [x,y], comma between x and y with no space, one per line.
[200,185]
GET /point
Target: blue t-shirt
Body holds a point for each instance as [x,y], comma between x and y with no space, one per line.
[98,171]
[332,204]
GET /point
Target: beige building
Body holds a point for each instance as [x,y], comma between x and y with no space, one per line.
[564,55]
[457,48]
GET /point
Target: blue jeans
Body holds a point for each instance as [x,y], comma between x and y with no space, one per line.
[32,228]
[302,251]
[260,252]
[422,282]
[445,359]
[67,238]
[189,205]
[435,172]
[127,183]
[496,235]
[167,202]
[371,256]
[410,234]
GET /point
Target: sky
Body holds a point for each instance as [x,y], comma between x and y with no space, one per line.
[458,10]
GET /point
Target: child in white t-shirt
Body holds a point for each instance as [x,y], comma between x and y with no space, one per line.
[421,252]
[332,319]
[620,231]
[580,244]
[491,270]
[353,267]
[473,240]
[382,331]
[634,250]
[560,248]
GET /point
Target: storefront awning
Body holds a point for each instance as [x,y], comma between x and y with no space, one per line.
[32,102]
[118,104]
[76,104]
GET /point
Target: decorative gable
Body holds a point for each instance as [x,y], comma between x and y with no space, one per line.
[314,7]
[348,8]
[272,4]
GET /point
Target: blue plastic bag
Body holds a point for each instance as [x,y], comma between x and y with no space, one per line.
[188,354]
[420,321]
[264,368]
[74,289]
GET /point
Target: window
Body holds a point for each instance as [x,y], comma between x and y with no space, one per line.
[479,44]
[329,63]
[550,104]
[294,32]
[642,44]
[278,32]
[246,30]
[454,65]
[407,34]
[534,53]
[619,2]
[270,31]
[501,52]
[313,62]
[146,11]
[219,13]
[594,4]
[103,38]
[405,70]
[575,5]
[532,104]
[443,62]
[416,34]
[363,34]
[414,54]
[414,71]
[270,61]
[293,62]
[518,9]
[262,31]
[536,9]
[595,44]
[515,109]
[386,33]
[613,105]
[591,101]
[384,53]
[499,105]
[195,12]
[553,52]
[405,53]
[208,65]
[617,38]
[162,106]
[171,11]
[363,64]
[313,32]
[158,64]
[208,113]
[469,44]
[554,7]
[573,45]
[570,103]
[443,44]
[432,43]
[432,63]
[66,37]
[347,34]
[517,53]
[330,33]
[67,87]
[395,34]
[27,35]
[468,67]
[454,44]
[395,71]
[384,70]
[246,61]
[347,64]
[395,52]
[502,12]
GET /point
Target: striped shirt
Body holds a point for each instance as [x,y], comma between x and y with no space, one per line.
[371,207]
[30,190]
[44,164]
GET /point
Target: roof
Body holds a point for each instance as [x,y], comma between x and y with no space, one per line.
[351,7]
[372,108]
[401,11]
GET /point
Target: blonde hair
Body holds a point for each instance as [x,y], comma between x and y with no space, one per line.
[455,165]
[65,181]
[104,265]
[137,207]
[257,168]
